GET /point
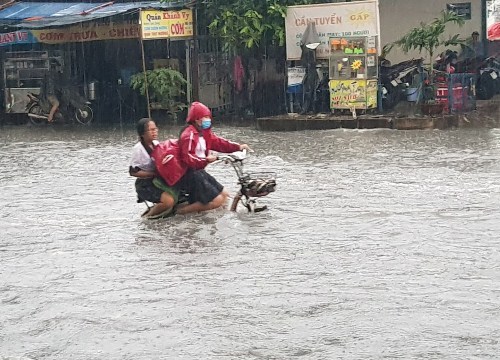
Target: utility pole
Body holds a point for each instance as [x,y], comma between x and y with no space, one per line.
[194,63]
[484,27]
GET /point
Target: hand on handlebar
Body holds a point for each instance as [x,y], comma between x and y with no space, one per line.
[245,147]
[211,158]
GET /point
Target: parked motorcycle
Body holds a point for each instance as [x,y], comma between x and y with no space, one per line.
[488,81]
[393,78]
[75,108]
[487,71]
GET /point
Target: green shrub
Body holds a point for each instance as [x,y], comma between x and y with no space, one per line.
[166,87]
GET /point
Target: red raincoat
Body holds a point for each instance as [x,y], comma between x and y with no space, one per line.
[189,141]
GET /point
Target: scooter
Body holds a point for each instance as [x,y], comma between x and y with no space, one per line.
[252,185]
[393,78]
[488,80]
[38,110]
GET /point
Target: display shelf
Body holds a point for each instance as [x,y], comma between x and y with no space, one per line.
[353,71]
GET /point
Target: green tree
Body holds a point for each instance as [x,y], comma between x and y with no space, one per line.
[166,88]
[247,24]
[429,37]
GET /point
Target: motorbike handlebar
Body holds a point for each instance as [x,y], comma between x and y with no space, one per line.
[233,157]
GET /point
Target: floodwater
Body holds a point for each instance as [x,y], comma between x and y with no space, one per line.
[378,244]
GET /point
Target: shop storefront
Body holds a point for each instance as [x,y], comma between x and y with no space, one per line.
[347,36]
[97,45]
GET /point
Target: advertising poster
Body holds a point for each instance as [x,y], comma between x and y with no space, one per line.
[348,94]
[332,20]
[296,75]
[371,94]
[161,24]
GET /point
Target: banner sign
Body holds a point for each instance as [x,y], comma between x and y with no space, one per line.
[332,20]
[163,24]
[82,32]
[87,32]
[155,25]
[348,94]
[16,37]
[296,75]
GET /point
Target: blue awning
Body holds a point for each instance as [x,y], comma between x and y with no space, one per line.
[37,15]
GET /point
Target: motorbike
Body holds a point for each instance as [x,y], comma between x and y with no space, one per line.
[252,185]
[487,71]
[488,81]
[393,79]
[75,107]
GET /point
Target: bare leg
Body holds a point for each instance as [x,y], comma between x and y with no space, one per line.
[166,203]
[55,105]
[219,201]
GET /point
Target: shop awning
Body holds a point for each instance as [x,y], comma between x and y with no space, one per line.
[38,15]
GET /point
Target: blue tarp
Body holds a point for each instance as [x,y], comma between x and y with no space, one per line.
[37,15]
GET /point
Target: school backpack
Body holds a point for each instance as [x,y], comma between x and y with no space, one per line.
[168,162]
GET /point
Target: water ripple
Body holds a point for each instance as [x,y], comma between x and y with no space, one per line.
[378,244]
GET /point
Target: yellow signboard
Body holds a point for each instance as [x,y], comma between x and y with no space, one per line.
[348,94]
[84,32]
[158,24]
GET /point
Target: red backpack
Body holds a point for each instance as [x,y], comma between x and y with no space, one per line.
[168,161]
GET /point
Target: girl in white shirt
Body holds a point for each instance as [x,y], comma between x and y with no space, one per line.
[143,168]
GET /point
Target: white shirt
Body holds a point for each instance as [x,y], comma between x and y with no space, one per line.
[201,148]
[141,159]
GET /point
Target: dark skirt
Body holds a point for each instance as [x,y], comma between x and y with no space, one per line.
[149,191]
[200,186]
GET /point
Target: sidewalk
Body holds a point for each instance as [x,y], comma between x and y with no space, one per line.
[487,114]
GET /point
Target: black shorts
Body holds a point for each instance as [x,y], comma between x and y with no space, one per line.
[147,191]
[200,186]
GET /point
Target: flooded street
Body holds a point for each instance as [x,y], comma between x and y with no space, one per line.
[377,244]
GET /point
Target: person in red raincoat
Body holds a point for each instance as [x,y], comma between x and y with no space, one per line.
[196,143]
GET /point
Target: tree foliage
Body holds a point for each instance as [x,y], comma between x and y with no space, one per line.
[247,24]
[166,87]
[240,25]
[429,36]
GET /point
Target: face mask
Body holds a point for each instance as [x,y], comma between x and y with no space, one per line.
[206,123]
